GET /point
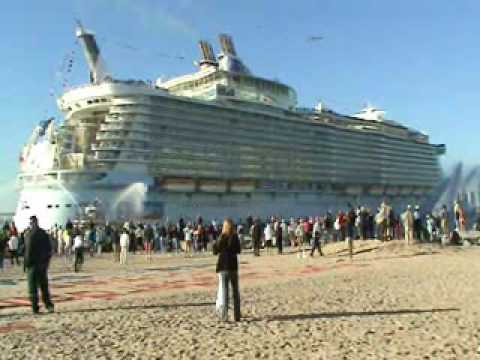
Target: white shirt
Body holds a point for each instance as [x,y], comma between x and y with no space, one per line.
[188,233]
[13,243]
[78,242]
[124,240]
[268,232]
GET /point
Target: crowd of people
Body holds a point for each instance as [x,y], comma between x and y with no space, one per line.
[192,237]
[224,239]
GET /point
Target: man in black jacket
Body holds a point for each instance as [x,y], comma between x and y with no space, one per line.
[38,251]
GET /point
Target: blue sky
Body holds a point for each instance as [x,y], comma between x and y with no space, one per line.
[417,60]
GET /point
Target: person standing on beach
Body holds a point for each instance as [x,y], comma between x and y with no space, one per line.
[148,236]
[188,230]
[115,244]
[124,244]
[460,218]
[67,242]
[38,251]
[3,245]
[60,245]
[316,243]
[78,251]
[268,234]
[299,236]
[256,237]
[228,247]
[407,219]
[279,238]
[13,248]
[417,224]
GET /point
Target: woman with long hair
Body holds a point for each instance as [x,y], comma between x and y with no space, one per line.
[227,247]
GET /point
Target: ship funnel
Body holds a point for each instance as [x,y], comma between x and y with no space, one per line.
[208,57]
[95,63]
[228,59]
[226,44]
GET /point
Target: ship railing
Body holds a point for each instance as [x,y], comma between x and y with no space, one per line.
[130,82]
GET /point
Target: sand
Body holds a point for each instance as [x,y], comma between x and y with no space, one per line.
[390,302]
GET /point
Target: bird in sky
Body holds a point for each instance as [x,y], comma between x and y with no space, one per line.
[314,38]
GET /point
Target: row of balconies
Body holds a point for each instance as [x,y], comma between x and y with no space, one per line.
[176,125]
[122,147]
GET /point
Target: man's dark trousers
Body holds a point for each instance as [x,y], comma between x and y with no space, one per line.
[14,255]
[37,278]
[256,247]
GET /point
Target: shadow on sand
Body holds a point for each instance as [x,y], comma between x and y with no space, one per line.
[112,308]
[333,315]
[139,307]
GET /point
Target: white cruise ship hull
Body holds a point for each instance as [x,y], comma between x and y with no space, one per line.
[55,206]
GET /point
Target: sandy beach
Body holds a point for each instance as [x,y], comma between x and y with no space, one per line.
[389,302]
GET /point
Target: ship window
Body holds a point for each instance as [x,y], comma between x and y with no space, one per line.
[57,206]
[89,102]
[49,206]
[68,205]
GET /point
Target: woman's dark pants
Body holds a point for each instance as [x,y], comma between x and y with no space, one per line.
[232,278]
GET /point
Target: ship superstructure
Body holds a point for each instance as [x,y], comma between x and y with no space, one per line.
[220,141]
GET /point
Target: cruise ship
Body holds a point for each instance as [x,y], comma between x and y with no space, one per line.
[218,142]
